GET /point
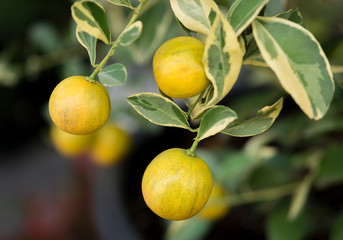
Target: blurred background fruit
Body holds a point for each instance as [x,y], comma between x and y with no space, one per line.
[217,205]
[111,145]
[70,145]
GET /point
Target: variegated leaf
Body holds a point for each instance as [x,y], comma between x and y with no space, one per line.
[125,3]
[253,55]
[90,17]
[131,33]
[256,125]
[298,61]
[243,12]
[159,110]
[113,75]
[195,14]
[158,17]
[88,42]
[214,121]
[293,15]
[222,60]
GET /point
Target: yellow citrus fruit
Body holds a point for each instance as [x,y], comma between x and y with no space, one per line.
[69,145]
[176,186]
[111,144]
[216,207]
[178,68]
[78,106]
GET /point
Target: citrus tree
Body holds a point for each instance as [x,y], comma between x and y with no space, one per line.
[200,69]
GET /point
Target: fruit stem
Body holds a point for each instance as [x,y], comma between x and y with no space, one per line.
[191,152]
[116,43]
[194,104]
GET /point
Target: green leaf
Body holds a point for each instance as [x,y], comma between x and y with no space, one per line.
[125,3]
[131,33]
[298,61]
[233,169]
[274,7]
[222,60]
[337,228]
[157,20]
[194,14]
[159,110]
[190,229]
[280,228]
[214,121]
[73,66]
[253,55]
[256,125]
[243,12]
[44,36]
[90,17]
[331,165]
[88,42]
[113,75]
[293,15]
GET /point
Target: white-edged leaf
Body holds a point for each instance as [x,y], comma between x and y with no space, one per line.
[131,34]
[90,16]
[243,12]
[222,60]
[159,110]
[159,18]
[195,14]
[298,61]
[293,15]
[214,121]
[253,55]
[256,125]
[113,75]
[125,3]
[88,42]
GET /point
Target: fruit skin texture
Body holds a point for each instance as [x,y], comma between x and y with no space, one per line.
[69,145]
[178,67]
[110,146]
[215,207]
[78,106]
[176,186]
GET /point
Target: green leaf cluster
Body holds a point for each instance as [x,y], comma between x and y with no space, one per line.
[280,42]
[226,48]
[92,25]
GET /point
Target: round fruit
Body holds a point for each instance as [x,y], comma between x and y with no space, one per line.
[175,185]
[78,106]
[69,145]
[216,206]
[111,144]
[178,68]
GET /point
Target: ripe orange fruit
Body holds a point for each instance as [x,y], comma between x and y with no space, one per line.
[178,67]
[175,185]
[110,145]
[216,206]
[79,106]
[69,145]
